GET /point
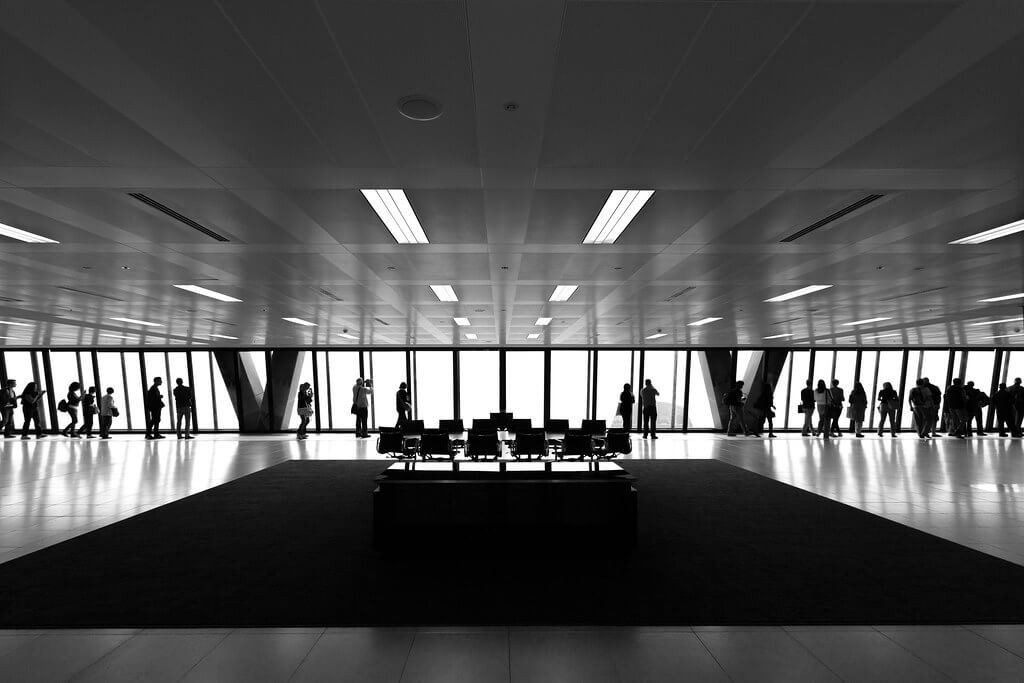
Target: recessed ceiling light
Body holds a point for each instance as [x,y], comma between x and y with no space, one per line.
[779,336]
[396,212]
[222,336]
[346,335]
[461,322]
[656,335]
[300,321]
[24,235]
[133,321]
[543,321]
[997,322]
[1001,298]
[444,292]
[563,292]
[811,289]
[866,321]
[203,291]
[620,208]
[993,234]
[703,321]
[470,335]
[11,322]
[533,335]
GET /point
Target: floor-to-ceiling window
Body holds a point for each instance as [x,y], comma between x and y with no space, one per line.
[478,384]
[387,369]
[615,369]
[703,407]
[343,371]
[524,385]
[434,386]
[570,386]
[661,367]
[289,403]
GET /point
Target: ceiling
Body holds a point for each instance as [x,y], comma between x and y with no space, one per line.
[261,121]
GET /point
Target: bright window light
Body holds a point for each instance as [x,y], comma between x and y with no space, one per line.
[993,234]
[346,335]
[703,321]
[533,335]
[203,291]
[796,293]
[24,235]
[222,336]
[11,322]
[866,321]
[300,321]
[470,335]
[133,321]
[656,335]
[543,321]
[395,211]
[779,336]
[461,322]
[1001,298]
[620,208]
[998,322]
[444,292]
[563,292]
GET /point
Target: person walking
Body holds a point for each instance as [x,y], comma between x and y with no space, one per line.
[8,402]
[108,411]
[71,403]
[821,404]
[836,400]
[154,408]
[1017,392]
[361,406]
[765,406]
[649,409]
[858,407]
[402,405]
[88,411]
[922,403]
[888,406]
[183,407]
[30,409]
[304,407]
[626,403]
[1003,401]
[956,408]
[807,407]
[734,400]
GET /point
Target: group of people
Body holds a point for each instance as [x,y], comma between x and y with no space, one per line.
[91,406]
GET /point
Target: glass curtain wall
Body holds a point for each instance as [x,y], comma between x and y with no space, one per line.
[478,385]
[342,369]
[660,367]
[615,368]
[434,386]
[570,386]
[703,406]
[524,385]
[387,369]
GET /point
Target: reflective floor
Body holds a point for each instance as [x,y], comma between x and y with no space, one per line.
[967,491]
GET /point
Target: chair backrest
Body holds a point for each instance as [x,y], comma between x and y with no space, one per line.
[435,442]
[482,443]
[482,425]
[451,426]
[531,442]
[577,443]
[618,441]
[390,440]
[501,420]
[596,427]
[560,426]
[522,425]
[413,427]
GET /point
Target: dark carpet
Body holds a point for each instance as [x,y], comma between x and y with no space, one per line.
[291,545]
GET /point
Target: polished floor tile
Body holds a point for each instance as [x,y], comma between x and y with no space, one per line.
[474,657]
[961,654]
[370,655]
[57,657]
[762,656]
[866,656]
[255,656]
[153,657]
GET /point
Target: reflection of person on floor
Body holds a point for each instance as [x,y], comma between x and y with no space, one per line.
[649,406]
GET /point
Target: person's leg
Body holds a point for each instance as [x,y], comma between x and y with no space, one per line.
[627,421]
[822,429]
[808,427]
[177,421]
[771,426]
[9,422]
[188,422]
[157,414]
[654,423]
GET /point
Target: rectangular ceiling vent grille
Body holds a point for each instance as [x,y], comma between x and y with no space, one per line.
[152,203]
[833,217]
[922,291]
[678,294]
[88,293]
[326,293]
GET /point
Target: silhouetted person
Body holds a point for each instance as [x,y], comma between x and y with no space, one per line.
[88,410]
[807,407]
[154,410]
[402,405]
[72,401]
[1003,401]
[765,406]
[835,407]
[626,402]
[858,407]
[923,404]
[734,400]
[8,402]
[888,406]
[183,407]
[361,406]
[304,407]
[974,406]
[649,408]
[956,408]
[822,405]
[107,410]
[936,404]
[30,409]
[1017,392]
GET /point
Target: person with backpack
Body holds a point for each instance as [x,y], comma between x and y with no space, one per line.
[734,399]
[70,406]
[88,410]
[936,404]
[30,409]
[976,400]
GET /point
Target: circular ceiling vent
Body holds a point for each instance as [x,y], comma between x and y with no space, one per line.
[419,108]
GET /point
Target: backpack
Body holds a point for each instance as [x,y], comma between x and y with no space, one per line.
[982,399]
[63,406]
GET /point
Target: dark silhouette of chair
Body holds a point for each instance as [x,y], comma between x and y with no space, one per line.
[595,427]
[481,424]
[451,426]
[483,444]
[616,443]
[529,443]
[391,441]
[522,425]
[501,420]
[577,443]
[556,426]
[435,443]
[412,431]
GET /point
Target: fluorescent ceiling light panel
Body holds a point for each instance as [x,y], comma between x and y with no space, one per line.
[797,292]
[993,234]
[461,322]
[11,322]
[470,335]
[563,292]
[883,336]
[300,321]
[444,292]
[1001,298]
[203,291]
[998,322]
[866,321]
[346,335]
[620,208]
[222,336]
[703,321]
[133,321]
[657,335]
[543,321]
[7,338]
[779,336]
[116,336]
[395,211]
[1001,336]
[24,235]
[533,335]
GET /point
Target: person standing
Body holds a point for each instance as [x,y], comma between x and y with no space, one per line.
[807,407]
[183,406]
[30,409]
[733,400]
[858,407]
[304,407]
[821,404]
[402,405]
[626,403]
[8,402]
[71,403]
[1003,401]
[976,400]
[956,407]
[1017,392]
[936,404]
[922,404]
[361,406]
[649,409]
[765,406]
[835,409]
[888,406]
[108,409]
[88,410]
[154,408]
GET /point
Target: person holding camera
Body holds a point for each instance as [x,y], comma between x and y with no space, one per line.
[361,391]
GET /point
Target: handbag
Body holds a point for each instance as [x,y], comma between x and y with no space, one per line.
[618,409]
[892,404]
[849,412]
[114,412]
[355,409]
[63,406]
[305,411]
